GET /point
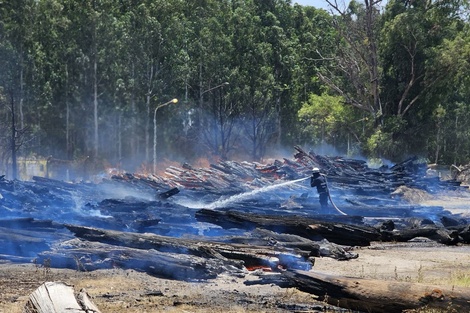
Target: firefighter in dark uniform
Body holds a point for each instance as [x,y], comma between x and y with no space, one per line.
[319,181]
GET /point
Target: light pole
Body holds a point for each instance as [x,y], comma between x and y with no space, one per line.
[155,132]
[201,93]
[210,89]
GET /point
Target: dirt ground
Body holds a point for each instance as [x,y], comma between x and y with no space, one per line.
[130,291]
[119,290]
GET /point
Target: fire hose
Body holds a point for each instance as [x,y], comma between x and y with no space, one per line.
[331,200]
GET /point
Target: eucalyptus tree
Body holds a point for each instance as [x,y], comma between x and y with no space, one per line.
[277,34]
[326,121]
[8,71]
[352,69]
[410,33]
[414,82]
[355,71]
[52,55]
[316,37]
[207,51]
[147,60]
[385,67]
[102,54]
[16,22]
[89,58]
[253,78]
[173,81]
[449,136]
[118,95]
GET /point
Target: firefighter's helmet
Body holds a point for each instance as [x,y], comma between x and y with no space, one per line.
[315,170]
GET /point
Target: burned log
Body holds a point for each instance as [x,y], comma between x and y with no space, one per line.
[250,255]
[378,296]
[120,214]
[21,242]
[168,193]
[437,234]
[339,233]
[87,256]
[421,228]
[264,237]
[25,237]
[131,202]
[463,231]
[58,297]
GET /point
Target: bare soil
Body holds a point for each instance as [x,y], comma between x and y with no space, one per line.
[129,291]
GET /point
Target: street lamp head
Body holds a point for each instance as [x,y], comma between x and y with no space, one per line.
[174,100]
[210,89]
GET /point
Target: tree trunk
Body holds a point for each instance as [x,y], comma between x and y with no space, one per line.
[230,253]
[95,107]
[68,151]
[14,168]
[336,232]
[378,296]
[134,143]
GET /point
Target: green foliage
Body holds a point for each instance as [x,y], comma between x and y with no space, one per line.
[325,119]
[386,83]
[380,144]
[384,142]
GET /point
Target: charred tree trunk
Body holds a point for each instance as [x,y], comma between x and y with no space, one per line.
[378,296]
[89,256]
[440,235]
[339,233]
[251,255]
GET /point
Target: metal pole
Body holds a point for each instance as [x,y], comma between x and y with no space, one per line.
[201,102]
[210,89]
[155,132]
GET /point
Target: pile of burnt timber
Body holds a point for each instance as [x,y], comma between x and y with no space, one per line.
[247,216]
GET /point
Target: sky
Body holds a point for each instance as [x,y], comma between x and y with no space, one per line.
[322,4]
[314,3]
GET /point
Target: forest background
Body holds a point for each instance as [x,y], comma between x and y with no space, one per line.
[96,79]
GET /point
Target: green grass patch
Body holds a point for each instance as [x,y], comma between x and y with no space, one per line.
[461,279]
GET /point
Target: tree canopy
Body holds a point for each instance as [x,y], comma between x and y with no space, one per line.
[85,78]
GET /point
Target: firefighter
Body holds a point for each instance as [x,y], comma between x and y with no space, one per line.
[319,181]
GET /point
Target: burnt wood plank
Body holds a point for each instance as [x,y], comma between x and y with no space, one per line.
[168,193]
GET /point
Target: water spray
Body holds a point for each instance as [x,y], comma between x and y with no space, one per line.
[248,194]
